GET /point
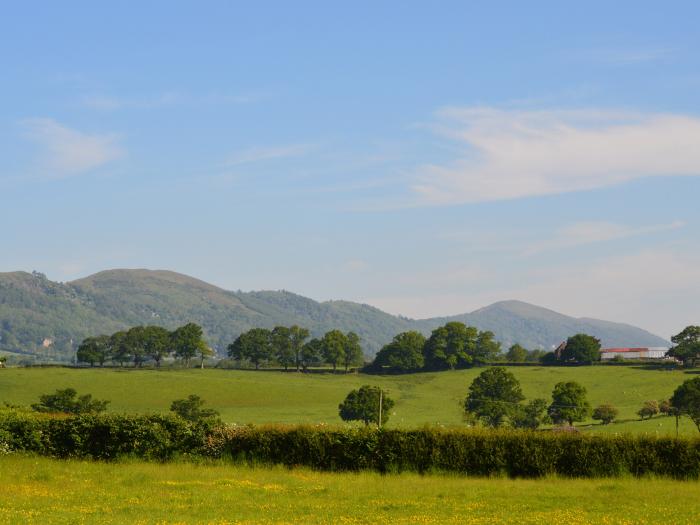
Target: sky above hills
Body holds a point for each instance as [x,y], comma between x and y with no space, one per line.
[426,158]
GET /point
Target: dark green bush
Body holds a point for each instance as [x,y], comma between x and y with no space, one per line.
[470,452]
[473,452]
[152,437]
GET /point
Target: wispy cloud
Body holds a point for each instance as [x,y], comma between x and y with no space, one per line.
[68,151]
[510,154]
[589,232]
[253,155]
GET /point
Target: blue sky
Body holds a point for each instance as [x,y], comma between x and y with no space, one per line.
[428,158]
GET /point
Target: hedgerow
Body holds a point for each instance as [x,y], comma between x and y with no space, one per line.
[472,452]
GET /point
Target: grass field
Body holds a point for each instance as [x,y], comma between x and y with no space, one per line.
[40,490]
[278,397]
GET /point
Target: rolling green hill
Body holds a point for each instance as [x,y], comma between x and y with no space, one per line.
[47,319]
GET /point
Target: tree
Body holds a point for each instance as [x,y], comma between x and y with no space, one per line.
[204,351]
[94,350]
[363,405]
[310,354]
[281,342]
[186,341]
[486,348]
[333,347]
[353,351]
[156,342]
[665,407]
[649,409]
[136,342]
[531,415]
[403,354]
[516,354]
[3,360]
[119,348]
[298,335]
[65,401]
[686,400]
[191,409]
[568,403]
[493,396]
[255,346]
[581,348]
[605,413]
[687,346]
[450,346]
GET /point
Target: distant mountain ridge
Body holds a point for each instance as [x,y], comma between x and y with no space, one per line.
[46,318]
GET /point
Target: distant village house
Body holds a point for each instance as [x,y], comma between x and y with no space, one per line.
[656,352]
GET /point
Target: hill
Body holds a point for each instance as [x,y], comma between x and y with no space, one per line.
[46,318]
[533,326]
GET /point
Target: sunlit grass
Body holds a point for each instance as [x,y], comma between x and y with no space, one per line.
[40,490]
[277,397]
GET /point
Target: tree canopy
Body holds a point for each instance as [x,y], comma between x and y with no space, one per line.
[516,354]
[363,405]
[686,346]
[187,341]
[255,346]
[403,354]
[686,400]
[581,348]
[569,403]
[493,396]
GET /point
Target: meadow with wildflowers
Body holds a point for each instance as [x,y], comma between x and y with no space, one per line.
[45,491]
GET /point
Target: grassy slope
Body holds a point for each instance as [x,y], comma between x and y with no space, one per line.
[40,490]
[267,397]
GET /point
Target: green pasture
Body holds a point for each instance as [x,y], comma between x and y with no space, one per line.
[45,491]
[290,397]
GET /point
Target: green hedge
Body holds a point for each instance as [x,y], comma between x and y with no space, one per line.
[469,452]
[464,451]
[152,437]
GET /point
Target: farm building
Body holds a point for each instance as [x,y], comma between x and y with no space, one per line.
[657,352]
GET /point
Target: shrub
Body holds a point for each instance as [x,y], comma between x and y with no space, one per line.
[605,413]
[665,407]
[191,409]
[64,401]
[649,409]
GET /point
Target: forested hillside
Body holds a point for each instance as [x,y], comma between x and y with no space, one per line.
[44,318]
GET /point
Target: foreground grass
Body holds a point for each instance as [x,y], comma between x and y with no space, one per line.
[40,490]
[277,397]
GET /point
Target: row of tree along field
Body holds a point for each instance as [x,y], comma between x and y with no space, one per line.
[453,345]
